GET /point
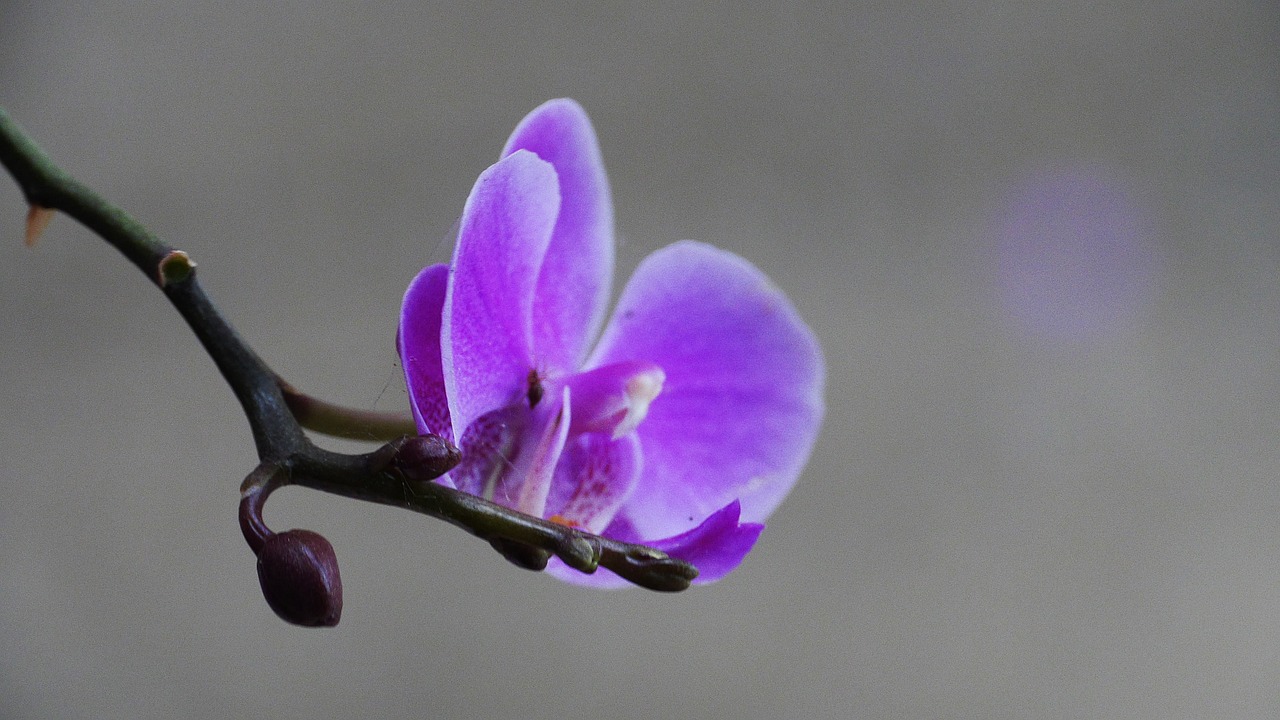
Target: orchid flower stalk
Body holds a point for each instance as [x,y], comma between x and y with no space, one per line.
[650,455]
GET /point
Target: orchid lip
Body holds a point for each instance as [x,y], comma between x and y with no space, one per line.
[642,388]
[615,398]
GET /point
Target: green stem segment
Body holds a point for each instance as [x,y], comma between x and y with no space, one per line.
[277,412]
[336,421]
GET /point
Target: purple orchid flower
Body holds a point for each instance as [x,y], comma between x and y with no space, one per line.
[685,424]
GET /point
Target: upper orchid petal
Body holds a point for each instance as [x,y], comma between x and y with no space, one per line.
[573,288]
[487,320]
[418,340]
[742,401]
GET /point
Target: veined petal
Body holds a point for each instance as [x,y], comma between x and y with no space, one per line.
[488,446]
[535,464]
[418,341]
[573,289]
[487,327]
[510,455]
[595,475]
[716,546]
[742,402]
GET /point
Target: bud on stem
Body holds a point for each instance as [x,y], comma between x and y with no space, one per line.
[297,569]
[299,575]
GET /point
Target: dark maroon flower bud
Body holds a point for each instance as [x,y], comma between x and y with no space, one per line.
[299,575]
[425,457]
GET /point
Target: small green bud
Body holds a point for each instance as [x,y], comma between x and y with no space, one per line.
[175,267]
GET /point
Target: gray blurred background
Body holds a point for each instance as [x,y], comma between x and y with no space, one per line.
[1037,240]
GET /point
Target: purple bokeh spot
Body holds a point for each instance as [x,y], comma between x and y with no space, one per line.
[1075,255]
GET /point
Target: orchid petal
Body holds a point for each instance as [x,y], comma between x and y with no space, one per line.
[596,474]
[573,288]
[615,398]
[487,327]
[742,402]
[716,546]
[509,455]
[418,341]
[487,447]
[535,465]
